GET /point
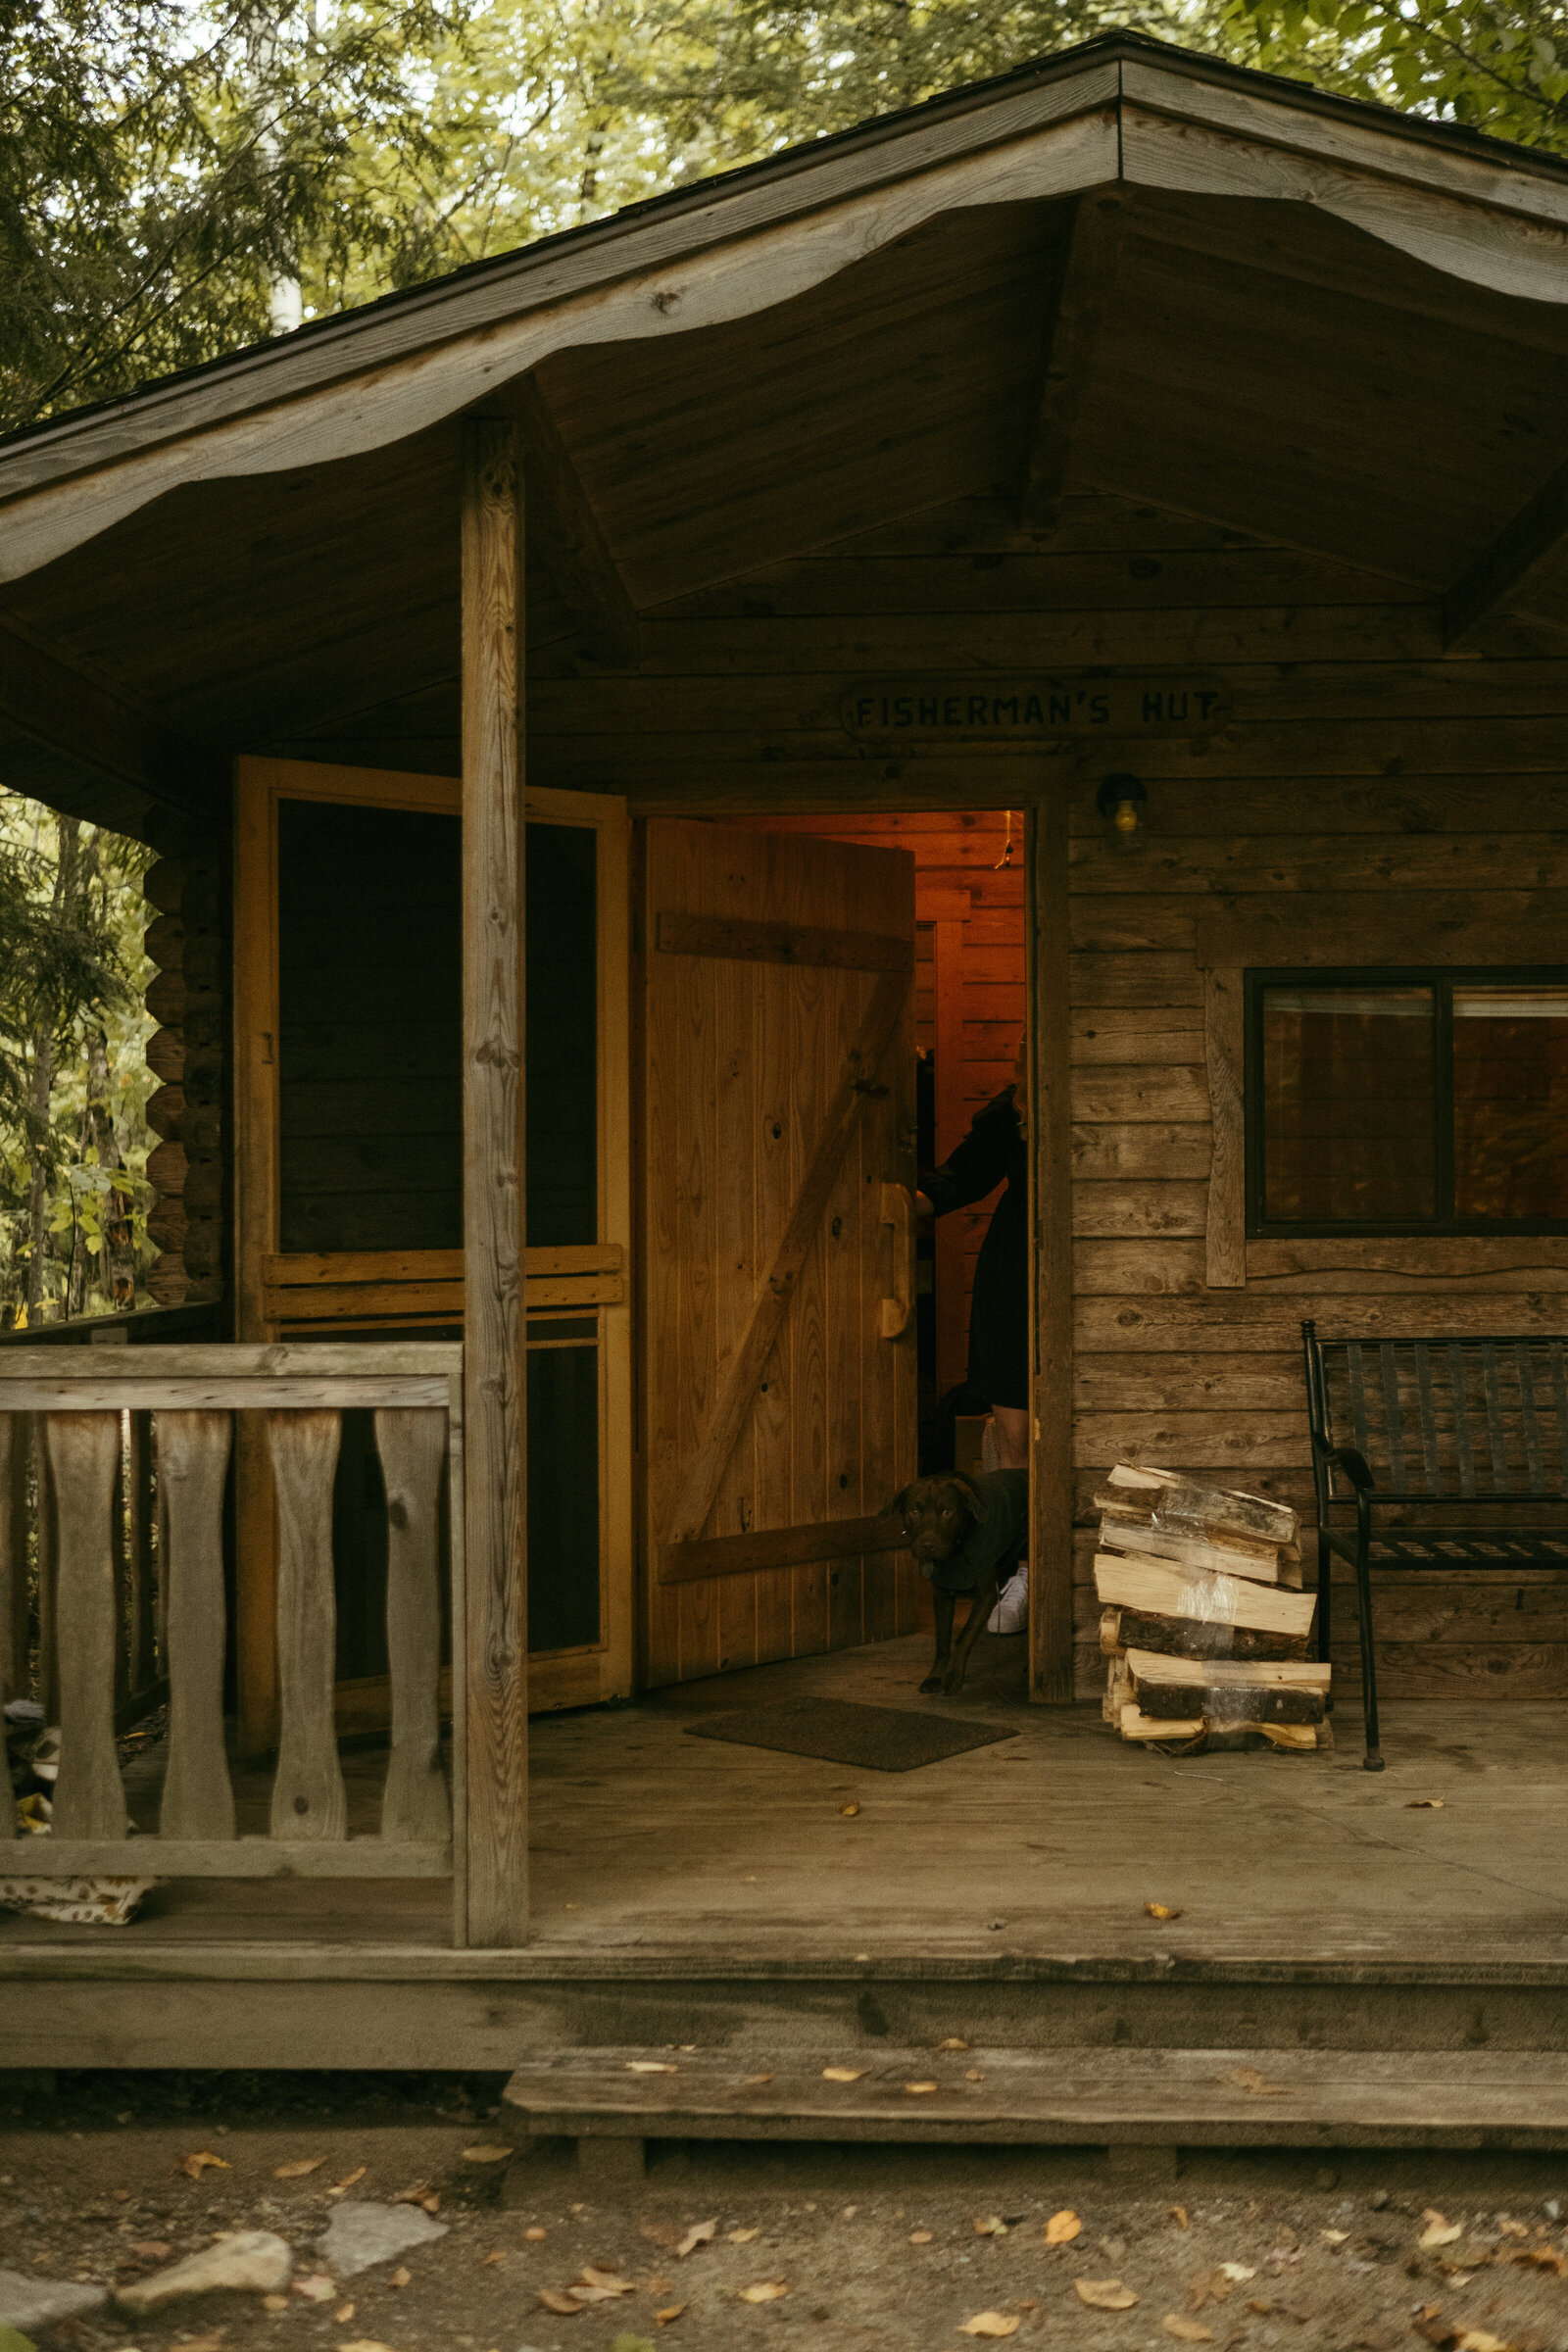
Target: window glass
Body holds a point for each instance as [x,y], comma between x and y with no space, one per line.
[1348,1079]
[563,1027]
[1510,1101]
[369,971]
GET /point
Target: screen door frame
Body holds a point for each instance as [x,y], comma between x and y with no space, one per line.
[281,1295]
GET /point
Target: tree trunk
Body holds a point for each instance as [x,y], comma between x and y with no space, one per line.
[120,1254]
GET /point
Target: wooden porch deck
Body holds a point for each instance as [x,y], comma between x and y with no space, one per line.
[650,1849]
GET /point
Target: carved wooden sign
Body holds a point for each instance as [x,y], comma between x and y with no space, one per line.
[1033,709]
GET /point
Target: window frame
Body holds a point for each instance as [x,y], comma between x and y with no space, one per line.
[1441,979]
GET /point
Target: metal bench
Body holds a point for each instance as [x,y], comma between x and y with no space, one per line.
[1445,1425]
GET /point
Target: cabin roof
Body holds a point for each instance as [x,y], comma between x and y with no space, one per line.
[1128,271]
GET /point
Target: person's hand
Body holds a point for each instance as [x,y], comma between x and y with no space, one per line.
[922,1207]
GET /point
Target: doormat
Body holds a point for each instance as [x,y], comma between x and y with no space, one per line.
[872,1738]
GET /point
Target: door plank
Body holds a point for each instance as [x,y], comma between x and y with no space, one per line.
[192,1453]
[308,1795]
[415,1805]
[700,1483]
[779,1548]
[740,939]
[84,1451]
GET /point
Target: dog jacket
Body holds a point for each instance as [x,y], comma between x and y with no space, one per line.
[998,1538]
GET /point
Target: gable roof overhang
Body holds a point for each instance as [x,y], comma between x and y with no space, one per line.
[357,406]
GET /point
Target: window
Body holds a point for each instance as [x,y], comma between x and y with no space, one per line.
[1416,1101]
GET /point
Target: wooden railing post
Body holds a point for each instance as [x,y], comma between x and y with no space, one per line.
[495,1643]
[84,1451]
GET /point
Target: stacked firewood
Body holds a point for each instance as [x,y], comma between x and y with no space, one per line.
[1203,1619]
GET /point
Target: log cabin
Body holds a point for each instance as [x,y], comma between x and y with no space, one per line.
[1087,557]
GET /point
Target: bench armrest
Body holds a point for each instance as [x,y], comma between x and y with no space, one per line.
[1345,1459]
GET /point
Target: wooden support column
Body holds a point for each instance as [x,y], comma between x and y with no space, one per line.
[1050,1636]
[493,1668]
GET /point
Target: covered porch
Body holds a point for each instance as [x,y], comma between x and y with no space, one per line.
[677,536]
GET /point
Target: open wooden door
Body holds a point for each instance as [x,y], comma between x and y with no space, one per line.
[349,1181]
[778,1260]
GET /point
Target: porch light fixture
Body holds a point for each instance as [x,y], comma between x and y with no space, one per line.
[1121,800]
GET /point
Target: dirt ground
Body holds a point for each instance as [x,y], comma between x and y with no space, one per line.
[874,2250]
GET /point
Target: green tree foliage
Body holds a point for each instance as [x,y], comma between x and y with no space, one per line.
[1500,70]
[73,1082]
[170,172]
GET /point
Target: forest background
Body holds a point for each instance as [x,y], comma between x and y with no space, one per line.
[179,178]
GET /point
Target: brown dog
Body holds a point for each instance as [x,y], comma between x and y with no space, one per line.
[940,1517]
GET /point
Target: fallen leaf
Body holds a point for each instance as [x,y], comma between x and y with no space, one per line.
[1247,2077]
[990,2323]
[742,2238]
[1424,1804]
[1178,2214]
[194,2166]
[1027,2302]
[850,1810]
[1161,1911]
[536,2236]
[663,2286]
[1236,2272]
[299,2168]
[316,2288]
[401,2277]
[921,2237]
[569,2306]
[845,2074]
[1540,2258]
[973,2075]
[275,2304]
[151,2249]
[360,2343]
[343,2313]
[487,2155]
[1261,2308]
[918,2090]
[609,2283]
[701,2233]
[952,2042]
[1188,2331]
[1062,2228]
[1333,2238]
[1476,2340]
[990,2224]
[1439,2231]
[1508,2227]
[212,2341]
[1105,2294]
[500,2255]
[586,2295]
[753,2082]
[651,2066]
[764,2290]
[339,2188]
[667,2317]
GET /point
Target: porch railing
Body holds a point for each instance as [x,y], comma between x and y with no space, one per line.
[157,1423]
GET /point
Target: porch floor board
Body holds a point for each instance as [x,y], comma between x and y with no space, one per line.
[656,1852]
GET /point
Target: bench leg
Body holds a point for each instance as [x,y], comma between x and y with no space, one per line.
[1372,1761]
[1325,1576]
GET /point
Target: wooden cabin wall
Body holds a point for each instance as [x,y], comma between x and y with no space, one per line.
[1364,793]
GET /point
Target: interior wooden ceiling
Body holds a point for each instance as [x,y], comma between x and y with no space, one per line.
[1259,366]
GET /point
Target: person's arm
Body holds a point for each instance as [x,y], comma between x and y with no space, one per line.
[978,1166]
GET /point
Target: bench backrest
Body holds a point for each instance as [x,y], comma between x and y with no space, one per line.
[1451,1420]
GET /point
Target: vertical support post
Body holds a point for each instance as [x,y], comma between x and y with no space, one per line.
[495,1659]
[1052,1493]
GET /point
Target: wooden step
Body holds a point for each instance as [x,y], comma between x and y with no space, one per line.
[1081,2096]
